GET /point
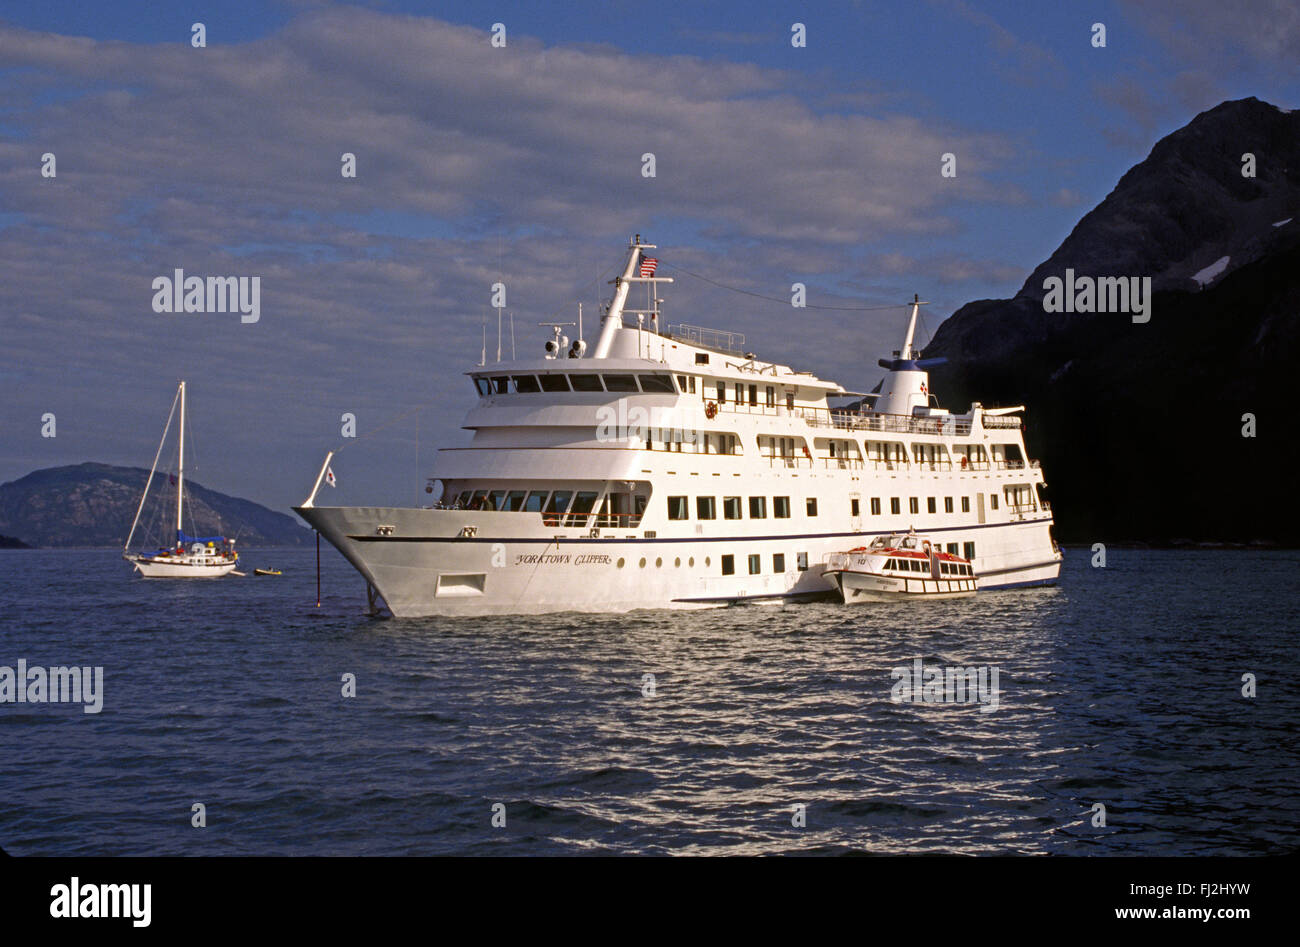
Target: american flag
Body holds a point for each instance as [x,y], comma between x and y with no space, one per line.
[648,265]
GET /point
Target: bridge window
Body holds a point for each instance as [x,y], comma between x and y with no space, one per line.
[557,507]
[515,500]
[483,385]
[536,501]
[621,383]
[586,383]
[660,384]
[555,383]
[525,384]
[502,384]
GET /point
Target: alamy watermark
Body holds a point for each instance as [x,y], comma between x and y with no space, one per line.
[919,683]
[55,685]
[1129,294]
[181,293]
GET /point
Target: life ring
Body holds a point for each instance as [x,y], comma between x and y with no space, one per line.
[710,410]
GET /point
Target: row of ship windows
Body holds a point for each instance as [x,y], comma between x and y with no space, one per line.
[623,383]
[945,568]
[755,562]
[706,508]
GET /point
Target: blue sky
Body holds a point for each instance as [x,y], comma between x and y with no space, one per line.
[775,164]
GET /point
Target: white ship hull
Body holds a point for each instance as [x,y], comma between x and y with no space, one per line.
[175,568]
[424,566]
[857,587]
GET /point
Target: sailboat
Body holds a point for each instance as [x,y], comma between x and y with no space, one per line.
[192,557]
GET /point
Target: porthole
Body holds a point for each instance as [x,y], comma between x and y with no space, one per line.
[690,561]
[707,562]
[678,562]
[620,562]
[659,562]
[642,562]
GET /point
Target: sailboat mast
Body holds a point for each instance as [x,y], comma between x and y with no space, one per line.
[180,469]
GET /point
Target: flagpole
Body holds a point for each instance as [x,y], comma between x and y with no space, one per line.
[318,568]
[311,500]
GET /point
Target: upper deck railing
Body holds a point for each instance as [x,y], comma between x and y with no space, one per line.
[733,343]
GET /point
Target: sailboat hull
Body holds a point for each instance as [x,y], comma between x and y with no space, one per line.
[180,568]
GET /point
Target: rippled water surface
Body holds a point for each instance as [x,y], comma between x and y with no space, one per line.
[1122,686]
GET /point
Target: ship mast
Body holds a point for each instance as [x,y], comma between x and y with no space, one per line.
[911,327]
[180,469]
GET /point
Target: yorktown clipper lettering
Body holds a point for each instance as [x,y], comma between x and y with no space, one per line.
[55,685]
[181,293]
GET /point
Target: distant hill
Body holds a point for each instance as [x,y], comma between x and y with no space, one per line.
[1139,426]
[8,542]
[93,505]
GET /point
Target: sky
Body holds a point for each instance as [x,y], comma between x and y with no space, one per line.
[522,164]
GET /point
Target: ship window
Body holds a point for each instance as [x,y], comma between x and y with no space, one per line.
[801,561]
[536,501]
[526,384]
[658,383]
[620,383]
[965,504]
[495,500]
[677,508]
[889,564]
[755,564]
[913,504]
[722,392]
[771,397]
[740,393]
[789,400]
[895,505]
[930,506]
[476,501]
[778,562]
[701,358]
[462,499]
[502,384]
[558,505]
[582,504]
[952,549]
[731,508]
[753,395]
[947,504]
[812,506]
[758,508]
[855,507]
[555,383]
[483,385]
[515,500]
[586,383]
[968,550]
[875,506]
[705,508]
[993,499]
[781,508]
[728,565]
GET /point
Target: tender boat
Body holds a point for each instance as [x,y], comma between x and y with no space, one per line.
[899,566]
[267,572]
[191,557]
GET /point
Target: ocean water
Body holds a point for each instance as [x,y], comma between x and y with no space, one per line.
[1121,686]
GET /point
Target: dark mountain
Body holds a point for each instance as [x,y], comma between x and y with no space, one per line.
[8,542]
[1139,425]
[94,504]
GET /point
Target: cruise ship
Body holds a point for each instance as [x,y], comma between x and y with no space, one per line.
[670,468]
